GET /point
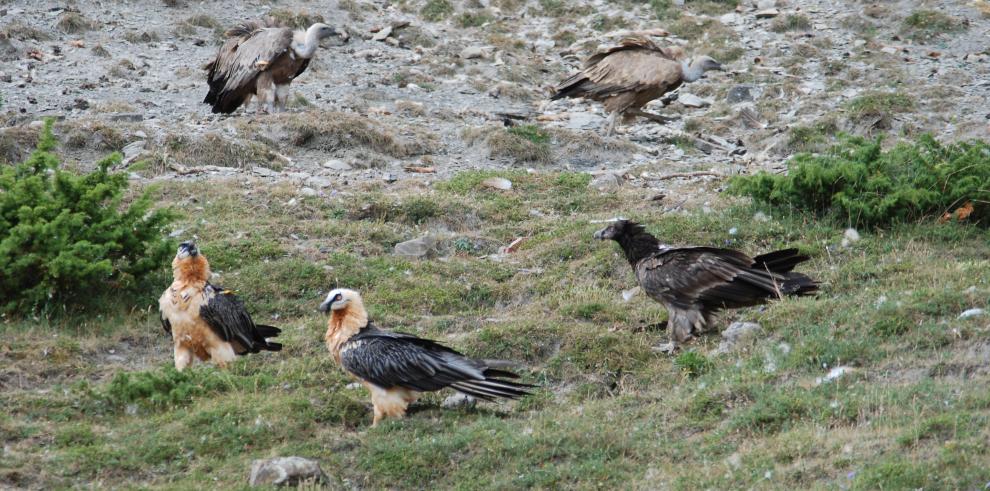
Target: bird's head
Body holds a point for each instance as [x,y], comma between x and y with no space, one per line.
[617,229]
[339,299]
[187,249]
[707,63]
[324,31]
[189,264]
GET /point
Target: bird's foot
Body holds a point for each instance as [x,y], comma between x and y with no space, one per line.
[665,348]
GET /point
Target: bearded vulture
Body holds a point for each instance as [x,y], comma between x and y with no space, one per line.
[396,367]
[628,76]
[694,283]
[206,320]
[261,59]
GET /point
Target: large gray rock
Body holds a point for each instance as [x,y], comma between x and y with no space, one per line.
[739,93]
[458,400]
[285,471]
[738,335]
[606,182]
[415,248]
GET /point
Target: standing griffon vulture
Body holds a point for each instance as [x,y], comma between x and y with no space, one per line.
[694,283]
[261,59]
[206,320]
[628,76]
[396,367]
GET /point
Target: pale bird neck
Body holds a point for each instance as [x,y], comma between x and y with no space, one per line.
[306,42]
[692,71]
[343,324]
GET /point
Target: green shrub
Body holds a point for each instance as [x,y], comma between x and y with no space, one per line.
[65,237]
[436,10]
[860,184]
[693,363]
[169,387]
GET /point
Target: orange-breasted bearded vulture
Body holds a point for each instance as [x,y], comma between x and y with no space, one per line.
[694,283]
[396,367]
[205,320]
[626,77]
[261,59]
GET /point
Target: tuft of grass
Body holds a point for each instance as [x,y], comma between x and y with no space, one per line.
[73,23]
[791,22]
[879,107]
[530,132]
[300,19]
[436,10]
[527,143]
[693,363]
[474,19]
[205,20]
[334,132]
[813,138]
[923,25]
[23,32]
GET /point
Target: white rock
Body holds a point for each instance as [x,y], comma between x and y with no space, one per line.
[458,400]
[760,217]
[285,471]
[415,248]
[606,182]
[264,171]
[972,313]
[733,231]
[382,34]
[767,13]
[834,374]
[628,295]
[473,52]
[177,233]
[890,50]
[337,164]
[308,192]
[319,182]
[738,333]
[354,385]
[497,183]
[850,237]
[132,151]
[691,100]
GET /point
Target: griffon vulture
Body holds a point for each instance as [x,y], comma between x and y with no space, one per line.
[694,283]
[261,59]
[626,77]
[207,321]
[396,367]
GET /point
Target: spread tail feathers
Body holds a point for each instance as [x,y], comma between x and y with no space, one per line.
[491,389]
[269,332]
[798,284]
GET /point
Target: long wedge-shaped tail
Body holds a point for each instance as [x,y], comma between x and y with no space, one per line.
[493,386]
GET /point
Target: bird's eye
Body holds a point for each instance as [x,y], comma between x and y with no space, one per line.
[337,297]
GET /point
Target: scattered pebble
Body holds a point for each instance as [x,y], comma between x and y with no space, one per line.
[975,312]
[834,374]
[497,183]
[458,400]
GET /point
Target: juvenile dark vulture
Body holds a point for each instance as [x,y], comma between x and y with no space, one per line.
[260,59]
[626,77]
[204,320]
[694,283]
[396,367]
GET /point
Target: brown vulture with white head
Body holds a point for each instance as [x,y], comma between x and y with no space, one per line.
[694,283]
[206,320]
[628,76]
[261,59]
[396,367]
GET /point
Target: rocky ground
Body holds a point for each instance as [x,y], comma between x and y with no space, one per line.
[430,86]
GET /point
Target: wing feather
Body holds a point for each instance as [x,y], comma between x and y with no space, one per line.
[401,360]
[228,318]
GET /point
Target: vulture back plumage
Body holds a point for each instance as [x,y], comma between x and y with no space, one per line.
[625,76]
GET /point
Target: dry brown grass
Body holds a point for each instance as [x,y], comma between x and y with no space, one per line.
[92,135]
[74,22]
[17,142]
[213,149]
[335,131]
[20,31]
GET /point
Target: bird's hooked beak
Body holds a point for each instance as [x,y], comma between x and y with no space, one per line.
[604,234]
[334,301]
[187,249]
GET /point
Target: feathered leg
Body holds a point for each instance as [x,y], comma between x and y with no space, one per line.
[222,354]
[389,403]
[281,97]
[610,124]
[265,91]
[682,325]
[183,357]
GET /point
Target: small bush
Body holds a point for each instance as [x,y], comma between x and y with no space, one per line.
[169,387]
[436,10]
[65,237]
[858,183]
[791,22]
[878,107]
[469,19]
[927,24]
[693,363]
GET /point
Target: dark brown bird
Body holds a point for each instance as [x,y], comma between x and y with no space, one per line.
[694,283]
[261,59]
[628,76]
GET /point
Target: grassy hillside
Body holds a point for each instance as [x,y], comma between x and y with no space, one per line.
[93,400]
